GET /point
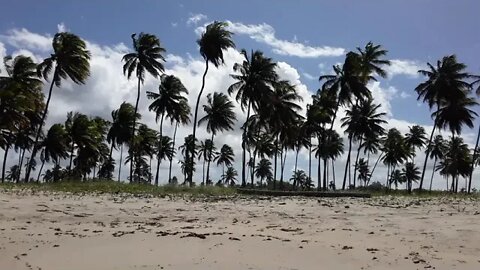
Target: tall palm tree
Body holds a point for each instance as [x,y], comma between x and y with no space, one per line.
[219,117]
[168,103]
[330,146]
[254,79]
[395,151]
[446,82]
[182,116]
[410,173]
[362,120]
[437,150]
[189,146]
[120,133]
[263,170]
[146,58]
[54,146]
[144,146]
[225,157]
[70,59]
[415,138]
[213,42]
[456,113]
[371,62]
[167,150]
[456,161]
[475,150]
[363,171]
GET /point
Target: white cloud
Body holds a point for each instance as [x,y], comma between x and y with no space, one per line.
[309,76]
[194,19]
[174,24]
[404,94]
[62,28]
[265,33]
[408,68]
[24,39]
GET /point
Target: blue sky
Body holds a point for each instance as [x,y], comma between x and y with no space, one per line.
[306,37]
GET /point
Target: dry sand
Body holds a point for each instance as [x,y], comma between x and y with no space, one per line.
[72,232]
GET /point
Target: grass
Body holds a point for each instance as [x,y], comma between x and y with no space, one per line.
[113,187]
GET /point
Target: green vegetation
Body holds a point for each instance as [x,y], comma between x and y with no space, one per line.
[274,126]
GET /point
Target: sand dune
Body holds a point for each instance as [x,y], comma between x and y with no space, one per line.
[106,232]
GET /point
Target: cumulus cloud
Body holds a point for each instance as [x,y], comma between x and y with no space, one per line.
[194,19]
[265,33]
[24,39]
[309,76]
[408,68]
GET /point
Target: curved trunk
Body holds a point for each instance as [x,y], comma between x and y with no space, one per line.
[433,172]
[347,165]
[473,162]
[209,160]
[130,150]
[40,172]
[120,163]
[5,155]
[190,173]
[356,163]
[427,152]
[170,165]
[159,160]
[71,156]
[39,130]
[374,166]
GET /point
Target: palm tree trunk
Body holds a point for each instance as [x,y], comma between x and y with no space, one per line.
[20,167]
[374,167]
[253,168]
[319,174]
[203,172]
[335,114]
[209,160]
[296,160]
[356,163]
[40,172]
[310,160]
[275,163]
[120,163]
[387,184]
[324,174]
[433,172]
[427,152]
[473,162]
[159,149]
[282,163]
[71,156]
[130,150]
[5,155]
[333,171]
[170,165]
[39,130]
[347,165]
[244,154]
[190,173]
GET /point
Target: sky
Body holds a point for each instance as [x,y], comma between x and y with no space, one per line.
[305,38]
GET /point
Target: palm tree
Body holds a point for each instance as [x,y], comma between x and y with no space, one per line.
[346,83]
[230,176]
[213,42]
[475,150]
[437,150]
[363,171]
[410,173]
[415,138]
[219,116]
[167,150]
[446,82]
[182,116]
[189,146]
[395,151]
[146,58]
[120,129]
[256,77]
[371,63]
[330,146]
[167,103]
[144,146]
[206,151]
[456,161]
[396,178]
[70,59]
[302,139]
[455,114]
[263,170]
[362,120]
[225,157]
[301,179]
[54,146]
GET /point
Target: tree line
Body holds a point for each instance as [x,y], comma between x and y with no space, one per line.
[274,124]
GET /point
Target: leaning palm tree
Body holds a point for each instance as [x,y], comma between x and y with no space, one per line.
[254,79]
[182,116]
[415,138]
[166,103]
[446,82]
[437,150]
[213,42]
[225,157]
[410,173]
[70,59]
[54,146]
[219,117]
[146,58]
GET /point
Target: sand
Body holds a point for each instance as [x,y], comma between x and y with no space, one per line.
[73,232]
